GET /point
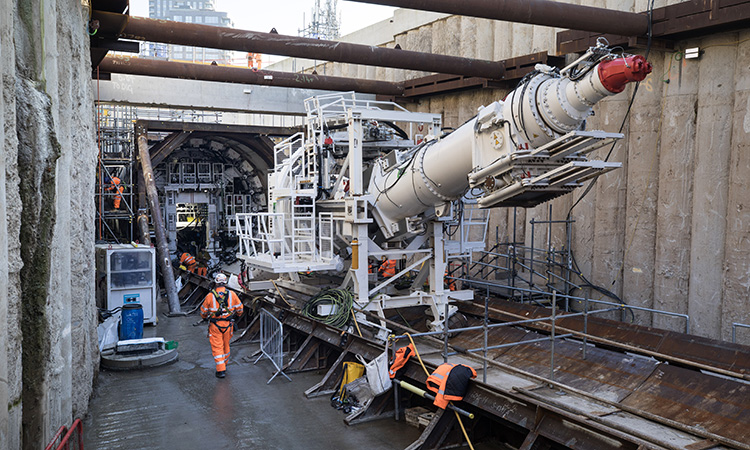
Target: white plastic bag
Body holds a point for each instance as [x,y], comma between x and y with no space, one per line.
[377,373]
[107,332]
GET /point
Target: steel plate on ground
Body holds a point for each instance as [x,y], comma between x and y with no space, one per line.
[607,374]
[717,405]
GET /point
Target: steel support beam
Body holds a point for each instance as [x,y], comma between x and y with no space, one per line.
[164,31]
[204,72]
[535,12]
[162,248]
[674,22]
[159,152]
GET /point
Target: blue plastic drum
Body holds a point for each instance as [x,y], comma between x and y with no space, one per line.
[131,321]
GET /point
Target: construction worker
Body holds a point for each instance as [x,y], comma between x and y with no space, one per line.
[202,263]
[188,262]
[114,184]
[220,307]
[450,283]
[387,268]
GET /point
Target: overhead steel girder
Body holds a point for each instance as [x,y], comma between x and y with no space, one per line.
[196,35]
[535,12]
[160,152]
[204,72]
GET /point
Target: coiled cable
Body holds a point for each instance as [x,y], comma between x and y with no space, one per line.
[340,300]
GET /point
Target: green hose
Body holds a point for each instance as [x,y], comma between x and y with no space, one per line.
[341,301]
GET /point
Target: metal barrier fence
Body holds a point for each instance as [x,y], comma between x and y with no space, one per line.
[272,342]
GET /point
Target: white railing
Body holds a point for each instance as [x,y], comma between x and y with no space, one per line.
[279,241]
[470,233]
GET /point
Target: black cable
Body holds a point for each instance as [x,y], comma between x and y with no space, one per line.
[397,129]
[627,113]
[591,184]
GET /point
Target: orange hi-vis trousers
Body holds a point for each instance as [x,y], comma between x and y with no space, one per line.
[220,343]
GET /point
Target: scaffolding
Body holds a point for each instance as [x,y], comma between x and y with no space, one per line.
[117,159]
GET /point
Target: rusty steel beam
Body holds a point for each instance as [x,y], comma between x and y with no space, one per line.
[141,28]
[159,230]
[535,12]
[204,72]
[674,22]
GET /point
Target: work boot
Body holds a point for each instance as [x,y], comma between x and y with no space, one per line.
[221,374]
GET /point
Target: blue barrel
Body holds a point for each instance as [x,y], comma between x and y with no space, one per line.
[131,321]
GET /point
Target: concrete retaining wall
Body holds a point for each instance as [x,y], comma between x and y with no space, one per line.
[48,342]
[671,229]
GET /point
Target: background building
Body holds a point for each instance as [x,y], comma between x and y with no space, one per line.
[202,12]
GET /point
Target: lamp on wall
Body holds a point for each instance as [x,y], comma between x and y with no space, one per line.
[692,53]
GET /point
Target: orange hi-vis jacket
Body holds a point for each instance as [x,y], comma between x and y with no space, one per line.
[388,268]
[188,261]
[449,382]
[119,189]
[450,283]
[219,306]
[212,308]
[400,359]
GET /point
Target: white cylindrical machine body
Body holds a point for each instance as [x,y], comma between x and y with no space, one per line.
[436,174]
[547,106]
[544,108]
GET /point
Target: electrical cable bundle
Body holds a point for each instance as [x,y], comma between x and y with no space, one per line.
[107,313]
[341,301]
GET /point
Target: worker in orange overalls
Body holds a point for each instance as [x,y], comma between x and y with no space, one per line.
[450,283]
[202,263]
[220,307]
[387,268]
[114,184]
[188,262]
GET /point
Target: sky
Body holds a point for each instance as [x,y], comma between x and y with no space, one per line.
[286,15]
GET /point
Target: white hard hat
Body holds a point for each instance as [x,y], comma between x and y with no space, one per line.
[220,278]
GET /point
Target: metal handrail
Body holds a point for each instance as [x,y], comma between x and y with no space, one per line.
[503,324]
[735,325]
[583,299]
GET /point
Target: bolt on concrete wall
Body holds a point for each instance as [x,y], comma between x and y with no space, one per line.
[671,229]
[48,350]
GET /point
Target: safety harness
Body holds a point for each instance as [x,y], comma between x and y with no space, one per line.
[221,298]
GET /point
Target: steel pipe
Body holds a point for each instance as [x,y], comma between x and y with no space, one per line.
[162,249]
[535,12]
[205,72]
[164,31]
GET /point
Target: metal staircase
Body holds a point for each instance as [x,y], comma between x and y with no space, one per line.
[289,237]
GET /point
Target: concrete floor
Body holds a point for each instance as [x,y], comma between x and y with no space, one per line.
[183,405]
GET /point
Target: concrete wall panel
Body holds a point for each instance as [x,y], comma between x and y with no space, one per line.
[711,182]
[48,165]
[673,227]
[735,306]
[642,191]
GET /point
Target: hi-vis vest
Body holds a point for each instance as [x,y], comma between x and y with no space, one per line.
[188,260]
[399,360]
[450,382]
[388,268]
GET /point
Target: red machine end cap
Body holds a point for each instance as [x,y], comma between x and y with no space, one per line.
[615,74]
